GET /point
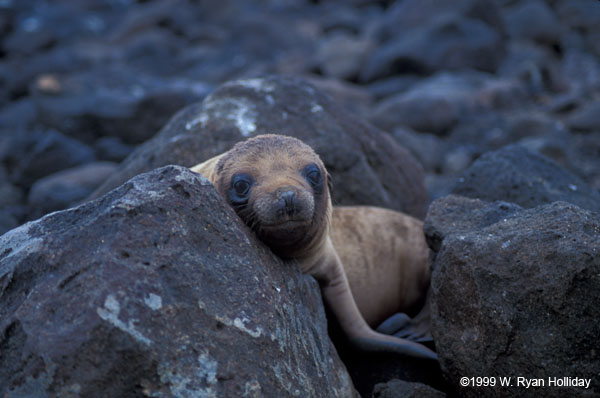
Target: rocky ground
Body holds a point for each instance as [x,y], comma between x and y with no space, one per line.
[498,101]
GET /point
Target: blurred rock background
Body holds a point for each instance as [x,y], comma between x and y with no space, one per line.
[83,82]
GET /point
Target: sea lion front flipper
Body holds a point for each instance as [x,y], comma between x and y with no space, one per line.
[339,299]
[415,329]
[394,324]
[401,325]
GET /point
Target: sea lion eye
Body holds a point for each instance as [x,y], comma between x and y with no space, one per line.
[313,176]
[240,188]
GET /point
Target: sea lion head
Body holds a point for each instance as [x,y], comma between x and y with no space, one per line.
[280,188]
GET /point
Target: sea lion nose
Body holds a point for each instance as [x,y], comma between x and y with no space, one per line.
[287,202]
[288,199]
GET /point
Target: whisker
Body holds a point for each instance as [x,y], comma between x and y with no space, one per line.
[249,217]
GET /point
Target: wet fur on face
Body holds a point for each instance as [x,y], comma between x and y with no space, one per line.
[279,187]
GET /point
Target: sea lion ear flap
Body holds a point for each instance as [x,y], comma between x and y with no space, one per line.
[329,183]
[208,167]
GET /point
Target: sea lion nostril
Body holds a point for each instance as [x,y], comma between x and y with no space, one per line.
[288,197]
[288,203]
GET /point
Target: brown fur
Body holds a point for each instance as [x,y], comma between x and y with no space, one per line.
[385,257]
[358,245]
[274,163]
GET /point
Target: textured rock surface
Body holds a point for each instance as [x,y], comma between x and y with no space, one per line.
[586,118]
[515,174]
[47,152]
[157,289]
[68,187]
[126,104]
[440,102]
[426,36]
[543,27]
[367,166]
[515,293]
[402,389]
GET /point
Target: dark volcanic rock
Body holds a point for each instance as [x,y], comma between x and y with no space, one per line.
[44,153]
[351,96]
[10,203]
[515,174]
[25,69]
[582,16]
[534,20]
[459,218]
[491,130]
[532,63]
[18,115]
[586,118]
[429,149]
[585,157]
[403,389]
[9,194]
[9,218]
[112,102]
[448,43]
[438,103]
[68,187]
[579,72]
[156,289]
[427,36]
[515,293]
[112,149]
[367,166]
[341,55]
[391,86]
[38,26]
[579,14]
[411,14]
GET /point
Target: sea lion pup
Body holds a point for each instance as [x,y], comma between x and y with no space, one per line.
[279,187]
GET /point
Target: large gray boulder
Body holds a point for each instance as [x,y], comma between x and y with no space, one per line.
[515,293]
[367,166]
[157,289]
[516,174]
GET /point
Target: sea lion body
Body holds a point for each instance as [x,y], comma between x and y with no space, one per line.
[385,257]
[280,188]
